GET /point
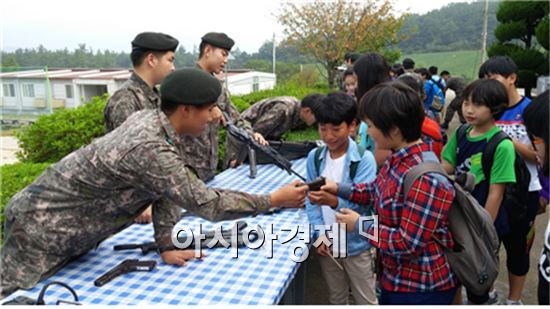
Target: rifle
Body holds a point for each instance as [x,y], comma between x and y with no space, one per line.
[243,136]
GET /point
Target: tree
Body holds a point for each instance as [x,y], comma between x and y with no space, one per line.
[327,30]
[518,23]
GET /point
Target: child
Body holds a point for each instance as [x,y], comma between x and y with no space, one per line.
[371,69]
[415,269]
[484,102]
[433,94]
[341,160]
[350,82]
[431,131]
[521,235]
[536,117]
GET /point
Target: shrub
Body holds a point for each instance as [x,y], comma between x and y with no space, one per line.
[13,178]
[54,136]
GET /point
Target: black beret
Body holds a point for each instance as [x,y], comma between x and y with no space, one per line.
[154,41]
[190,87]
[218,39]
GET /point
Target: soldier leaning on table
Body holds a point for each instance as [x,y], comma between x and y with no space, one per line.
[64,212]
[153,59]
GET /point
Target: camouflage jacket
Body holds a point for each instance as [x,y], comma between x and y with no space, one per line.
[99,189]
[202,152]
[272,117]
[133,96]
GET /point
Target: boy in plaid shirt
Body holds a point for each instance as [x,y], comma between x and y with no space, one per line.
[415,269]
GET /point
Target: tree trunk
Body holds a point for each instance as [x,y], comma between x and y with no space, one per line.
[331,74]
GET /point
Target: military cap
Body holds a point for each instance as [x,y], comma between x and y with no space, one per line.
[218,39]
[190,87]
[154,41]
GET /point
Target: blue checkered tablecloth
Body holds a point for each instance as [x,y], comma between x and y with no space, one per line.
[250,279]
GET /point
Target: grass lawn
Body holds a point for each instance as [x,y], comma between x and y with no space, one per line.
[460,63]
[308,134]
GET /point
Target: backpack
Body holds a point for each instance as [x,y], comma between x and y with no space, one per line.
[516,196]
[437,103]
[474,256]
[353,165]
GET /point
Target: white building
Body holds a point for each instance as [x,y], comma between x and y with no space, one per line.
[39,92]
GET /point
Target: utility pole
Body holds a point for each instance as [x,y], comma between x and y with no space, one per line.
[274,53]
[484,33]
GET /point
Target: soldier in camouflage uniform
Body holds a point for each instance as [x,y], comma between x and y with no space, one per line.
[202,152]
[272,117]
[152,58]
[62,214]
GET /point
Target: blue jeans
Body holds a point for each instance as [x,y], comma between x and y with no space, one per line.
[417,298]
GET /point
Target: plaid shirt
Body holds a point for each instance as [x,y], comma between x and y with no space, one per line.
[411,260]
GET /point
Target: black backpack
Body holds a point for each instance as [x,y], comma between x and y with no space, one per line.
[516,195]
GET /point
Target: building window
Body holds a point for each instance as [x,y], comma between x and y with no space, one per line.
[28,90]
[9,90]
[69,91]
[255,83]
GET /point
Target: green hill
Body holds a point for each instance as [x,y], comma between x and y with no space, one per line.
[456,26]
[460,63]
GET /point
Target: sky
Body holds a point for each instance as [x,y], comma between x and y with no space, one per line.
[110,24]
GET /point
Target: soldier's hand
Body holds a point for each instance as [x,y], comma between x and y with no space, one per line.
[217,115]
[260,138]
[292,195]
[145,217]
[180,257]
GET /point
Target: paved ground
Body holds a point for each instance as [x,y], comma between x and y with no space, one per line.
[8,148]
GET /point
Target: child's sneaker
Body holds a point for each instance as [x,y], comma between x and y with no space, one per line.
[509,302]
[493,298]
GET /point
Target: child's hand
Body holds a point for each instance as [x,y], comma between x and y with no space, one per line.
[323,198]
[323,249]
[348,217]
[330,187]
[179,257]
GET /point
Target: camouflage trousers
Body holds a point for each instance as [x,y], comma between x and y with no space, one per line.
[24,261]
[234,151]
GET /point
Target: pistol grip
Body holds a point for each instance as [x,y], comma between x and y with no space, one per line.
[316,184]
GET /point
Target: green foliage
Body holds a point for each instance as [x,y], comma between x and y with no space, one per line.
[285,71]
[522,11]
[15,177]
[308,77]
[541,32]
[510,31]
[501,49]
[54,136]
[519,22]
[307,134]
[456,26]
[460,63]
